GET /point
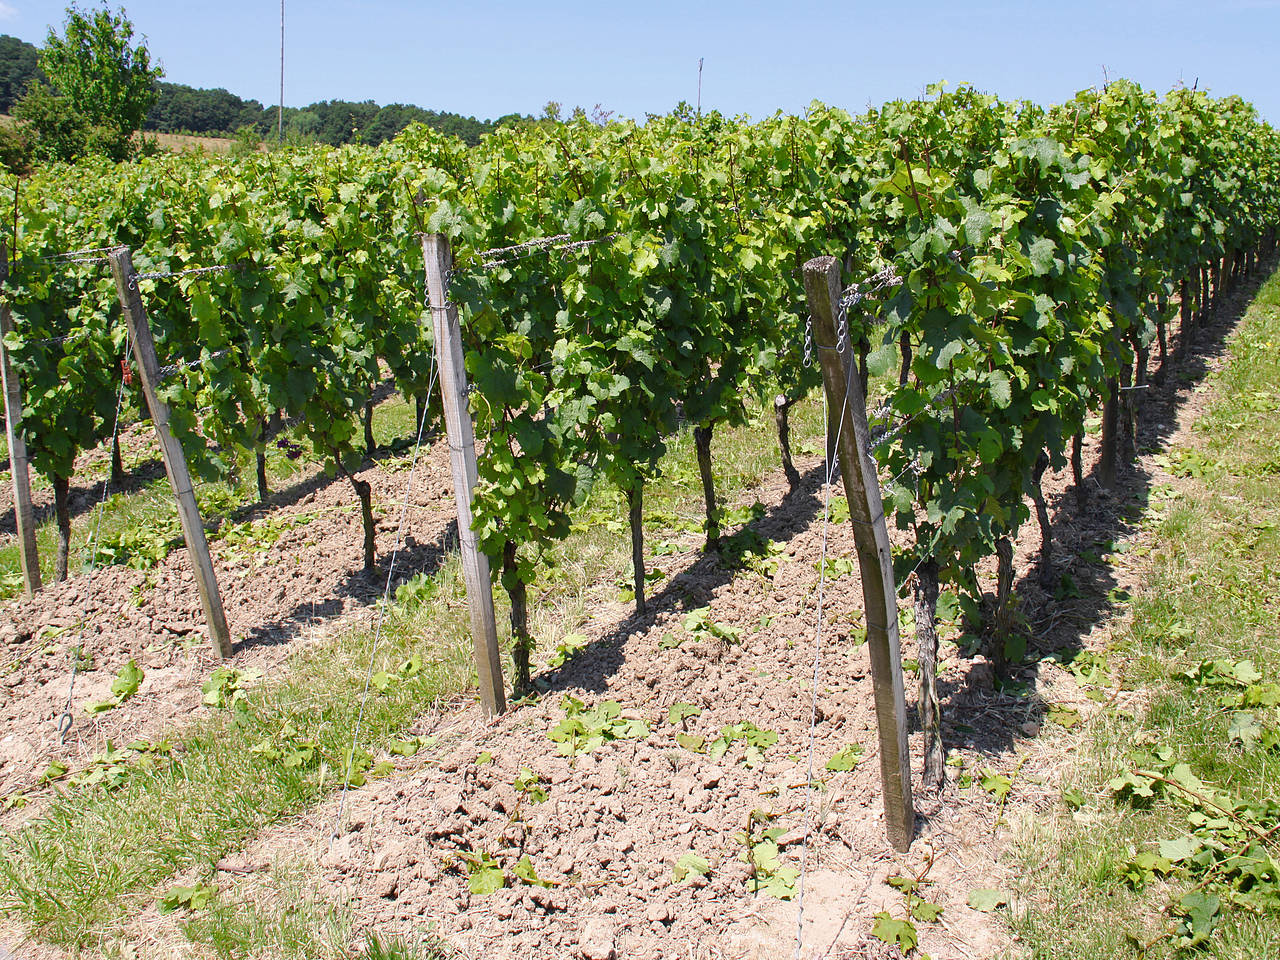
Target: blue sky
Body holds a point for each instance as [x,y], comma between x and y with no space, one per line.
[490,58]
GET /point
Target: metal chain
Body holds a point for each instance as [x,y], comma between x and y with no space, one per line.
[879,438]
[842,327]
[852,295]
[170,369]
[69,336]
[193,272]
[524,249]
[561,243]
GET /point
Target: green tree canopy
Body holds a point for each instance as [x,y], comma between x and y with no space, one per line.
[102,87]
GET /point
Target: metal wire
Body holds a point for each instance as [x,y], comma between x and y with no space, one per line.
[832,465]
[64,339]
[79,260]
[67,719]
[382,608]
[170,369]
[522,249]
[70,255]
[561,243]
[881,436]
[193,272]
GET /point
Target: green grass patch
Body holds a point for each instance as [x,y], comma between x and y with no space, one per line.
[95,854]
[1170,845]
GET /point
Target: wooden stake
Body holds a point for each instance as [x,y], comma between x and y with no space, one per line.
[175,461]
[871,535]
[23,514]
[462,454]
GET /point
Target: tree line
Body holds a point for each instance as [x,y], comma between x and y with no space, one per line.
[179,108]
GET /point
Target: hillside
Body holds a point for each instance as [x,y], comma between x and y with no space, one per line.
[218,113]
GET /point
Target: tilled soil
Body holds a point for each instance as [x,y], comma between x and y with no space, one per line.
[617,820]
[277,593]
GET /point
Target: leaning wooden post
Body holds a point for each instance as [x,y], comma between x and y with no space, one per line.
[24,515]
[462,454]
[871,535]
[175,461]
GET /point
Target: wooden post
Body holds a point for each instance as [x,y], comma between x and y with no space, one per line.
[462,454]
[871,535]
[23,514]
[175,461]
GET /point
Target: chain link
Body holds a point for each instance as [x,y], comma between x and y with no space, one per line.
[560,243]
[193,272]
[169,370]
[881,437]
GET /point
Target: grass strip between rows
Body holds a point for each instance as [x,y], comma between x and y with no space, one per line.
[1168,839]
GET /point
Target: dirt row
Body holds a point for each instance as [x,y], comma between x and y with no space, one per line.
[290,571]
[617,820]
[606,843]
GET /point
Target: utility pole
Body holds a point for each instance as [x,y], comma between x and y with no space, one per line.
[699,84]
[280,115]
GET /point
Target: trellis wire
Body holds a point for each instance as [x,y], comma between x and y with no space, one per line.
[170,369]
[72,254]
[192,272]
[382,608]
[67,718]
[79,260]
[832,464]
[882,435]
[560,243]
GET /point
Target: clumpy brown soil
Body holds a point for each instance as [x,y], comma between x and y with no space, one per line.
[616,820]
[276,595]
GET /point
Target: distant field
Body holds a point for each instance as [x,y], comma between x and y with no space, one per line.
[180,144]
[173,141]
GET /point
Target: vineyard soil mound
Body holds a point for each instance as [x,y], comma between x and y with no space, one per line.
[617,821]
[287,571]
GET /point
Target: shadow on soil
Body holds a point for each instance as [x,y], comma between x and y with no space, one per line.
[1082,590]
[364,587]
[84,497]
[692,588]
